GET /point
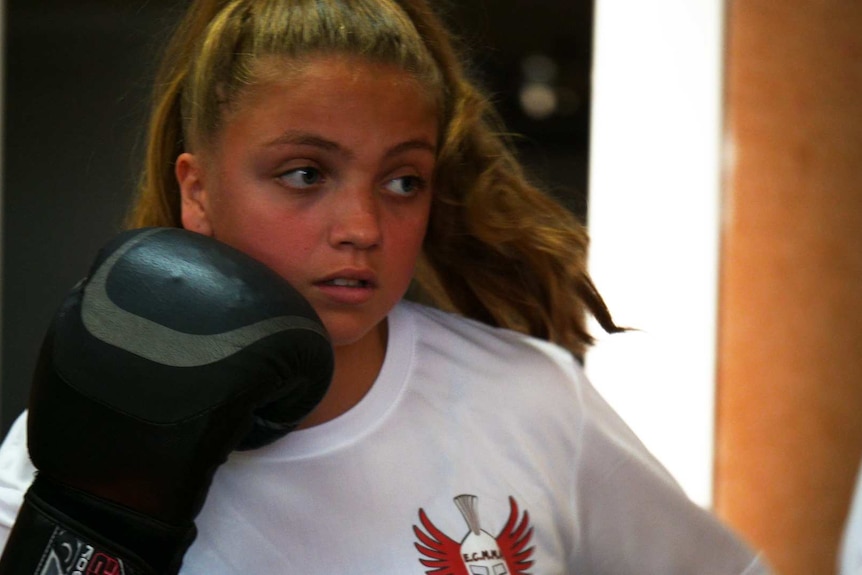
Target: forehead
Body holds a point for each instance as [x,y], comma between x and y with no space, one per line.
[337,74]
[344,99]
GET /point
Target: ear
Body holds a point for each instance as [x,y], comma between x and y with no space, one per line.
[194,195]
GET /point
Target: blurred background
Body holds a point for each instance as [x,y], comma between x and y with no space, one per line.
[77,83]
[714,148]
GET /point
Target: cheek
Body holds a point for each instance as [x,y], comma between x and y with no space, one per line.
[246,215]
[284,244]
[412,234]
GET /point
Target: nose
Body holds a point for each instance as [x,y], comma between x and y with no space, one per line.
[357,219]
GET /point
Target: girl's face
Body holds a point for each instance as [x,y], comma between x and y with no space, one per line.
[325,174]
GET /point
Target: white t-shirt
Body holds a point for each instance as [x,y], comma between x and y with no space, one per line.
[477,451]
[850,557]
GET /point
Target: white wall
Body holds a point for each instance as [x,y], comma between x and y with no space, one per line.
[655,183]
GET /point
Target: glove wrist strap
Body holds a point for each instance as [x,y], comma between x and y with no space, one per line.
[60,530]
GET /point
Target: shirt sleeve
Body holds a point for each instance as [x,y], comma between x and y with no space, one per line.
[16,474]
[850,557]
[634,518]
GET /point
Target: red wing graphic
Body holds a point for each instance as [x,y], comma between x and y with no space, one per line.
[483,552]
[513,541]
[443,555]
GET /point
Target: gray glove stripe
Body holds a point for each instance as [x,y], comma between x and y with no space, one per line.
[158,343]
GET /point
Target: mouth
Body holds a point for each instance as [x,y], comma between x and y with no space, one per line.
[348,287]
[349,278]
[347,282]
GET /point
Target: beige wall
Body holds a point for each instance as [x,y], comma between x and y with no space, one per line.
[789,437]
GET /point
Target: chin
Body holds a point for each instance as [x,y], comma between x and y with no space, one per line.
[346,334]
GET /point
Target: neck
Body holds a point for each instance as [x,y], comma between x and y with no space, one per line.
[356,368]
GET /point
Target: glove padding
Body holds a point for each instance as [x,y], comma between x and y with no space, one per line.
[174,351]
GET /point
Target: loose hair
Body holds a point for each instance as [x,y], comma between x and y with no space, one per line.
[498,249]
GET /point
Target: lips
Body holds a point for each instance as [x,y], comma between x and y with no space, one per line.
[364,278]
[349,286]
[348,282]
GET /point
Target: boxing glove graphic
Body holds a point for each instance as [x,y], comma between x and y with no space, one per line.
[174,351]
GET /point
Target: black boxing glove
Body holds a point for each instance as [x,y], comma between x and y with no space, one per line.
[174,351]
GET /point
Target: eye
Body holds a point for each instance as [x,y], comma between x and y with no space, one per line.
[301,178]
[406,185]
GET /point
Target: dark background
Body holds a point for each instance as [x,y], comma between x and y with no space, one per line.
[77,85]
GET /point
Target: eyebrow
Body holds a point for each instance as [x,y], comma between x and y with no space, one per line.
[298,138]
[292,137]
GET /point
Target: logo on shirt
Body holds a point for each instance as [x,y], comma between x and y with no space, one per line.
[478,553]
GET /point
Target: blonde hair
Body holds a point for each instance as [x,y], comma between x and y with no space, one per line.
[498,249]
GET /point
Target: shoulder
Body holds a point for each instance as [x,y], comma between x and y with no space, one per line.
[16,474]
[499,354]
[434,323]
[17,469]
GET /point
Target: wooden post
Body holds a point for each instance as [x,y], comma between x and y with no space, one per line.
[789,422]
